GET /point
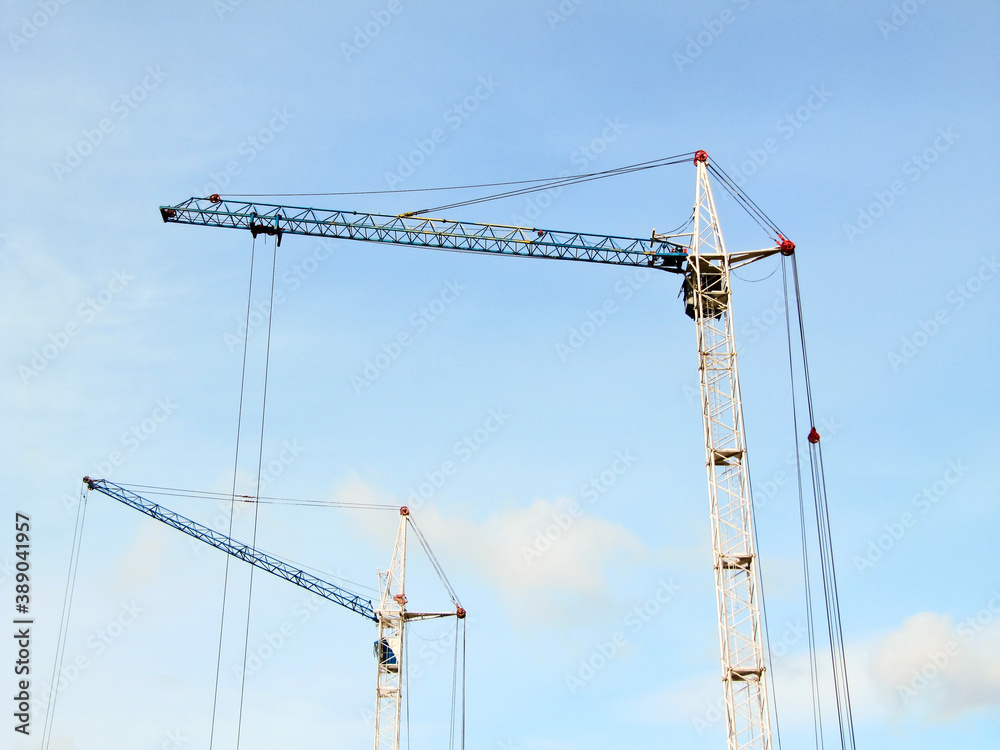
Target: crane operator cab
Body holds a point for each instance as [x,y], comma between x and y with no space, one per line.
[385,656]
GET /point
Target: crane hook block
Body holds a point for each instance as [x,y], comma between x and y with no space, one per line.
[813,436]
[700,156]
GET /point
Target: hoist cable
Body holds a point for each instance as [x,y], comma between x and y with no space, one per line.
[256,512]
[454,695]
[74,560]
[232,496]
[810,616]
[462,733]
[828,571]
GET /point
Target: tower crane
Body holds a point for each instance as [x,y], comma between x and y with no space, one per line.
[390,616]
[701,258]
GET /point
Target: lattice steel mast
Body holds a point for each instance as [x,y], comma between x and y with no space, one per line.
[707,298]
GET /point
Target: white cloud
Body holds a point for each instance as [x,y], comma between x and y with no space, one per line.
[937,669]
[549,560]
[929,668]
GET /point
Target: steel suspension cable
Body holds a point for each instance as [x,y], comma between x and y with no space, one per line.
[810,617]
[74,560]
[434,562]
[827,564]
[462,734]
[256,513]
[679,157]
[454,694]
[745,201]
[233,496]
[264,499]
[559,183]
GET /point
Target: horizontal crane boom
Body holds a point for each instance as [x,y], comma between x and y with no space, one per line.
[443,234]
[244,552]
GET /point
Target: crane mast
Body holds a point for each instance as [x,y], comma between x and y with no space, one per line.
[389,647]
[706,265]
[707,287]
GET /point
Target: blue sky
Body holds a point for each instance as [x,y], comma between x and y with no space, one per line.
[865,130]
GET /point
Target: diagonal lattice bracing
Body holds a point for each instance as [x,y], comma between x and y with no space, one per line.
[741,644]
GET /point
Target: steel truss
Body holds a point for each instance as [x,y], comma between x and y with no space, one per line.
[707,287]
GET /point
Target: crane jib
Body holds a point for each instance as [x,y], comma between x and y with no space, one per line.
[443,234]
[248,554]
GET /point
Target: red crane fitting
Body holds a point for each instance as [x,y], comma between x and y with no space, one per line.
[214,197]
[404,511]
[787,246]
[700,156]
[813,436]
[460,613]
